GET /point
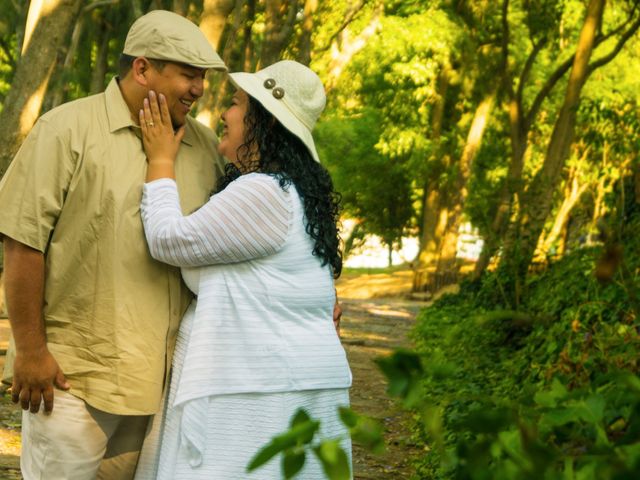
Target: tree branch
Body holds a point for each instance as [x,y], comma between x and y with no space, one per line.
[621,27]
[566,65]
[349,17]
[288,26]
[526,70]
[546,89]
[504,64]
[612,54]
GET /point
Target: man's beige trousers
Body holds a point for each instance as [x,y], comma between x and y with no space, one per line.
[78,442]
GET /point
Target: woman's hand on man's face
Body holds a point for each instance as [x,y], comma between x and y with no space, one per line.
[160,142]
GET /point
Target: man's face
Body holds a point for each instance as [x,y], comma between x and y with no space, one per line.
[182,85]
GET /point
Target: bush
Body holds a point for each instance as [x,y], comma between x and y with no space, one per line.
[550,391]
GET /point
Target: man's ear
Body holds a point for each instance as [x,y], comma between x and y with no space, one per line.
[140,70]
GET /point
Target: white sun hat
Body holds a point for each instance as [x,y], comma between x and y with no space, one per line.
[291,92]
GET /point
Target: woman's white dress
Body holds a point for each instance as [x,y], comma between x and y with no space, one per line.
[213,422]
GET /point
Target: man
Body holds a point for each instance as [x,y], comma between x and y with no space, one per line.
[94,318]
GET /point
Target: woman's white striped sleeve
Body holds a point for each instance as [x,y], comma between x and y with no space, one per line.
[249,219]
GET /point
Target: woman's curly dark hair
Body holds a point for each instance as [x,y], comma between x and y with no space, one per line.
[284,156]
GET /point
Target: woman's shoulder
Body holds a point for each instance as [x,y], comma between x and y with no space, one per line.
[263,187]
[258,179]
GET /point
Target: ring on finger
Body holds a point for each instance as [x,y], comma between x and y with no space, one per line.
[150,124]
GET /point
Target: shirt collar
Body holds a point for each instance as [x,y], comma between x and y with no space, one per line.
[117,110]
[120,117]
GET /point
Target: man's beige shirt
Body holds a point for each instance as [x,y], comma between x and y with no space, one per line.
[73,192]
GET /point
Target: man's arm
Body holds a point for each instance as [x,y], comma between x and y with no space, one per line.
[35,370]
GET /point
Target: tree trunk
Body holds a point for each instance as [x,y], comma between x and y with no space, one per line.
[538,198]
[280,18]
[434,215]
[511,189]
[250,60]
[181,7]
[101,66]
[229,52]
[212,23]
[136,7]
[604,185]
[214,18]
[59,94]
[447,266]
[573,192]
[304,45]
[22,106]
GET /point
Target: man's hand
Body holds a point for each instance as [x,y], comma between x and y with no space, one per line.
[35,371]
[34,376]
[337,316]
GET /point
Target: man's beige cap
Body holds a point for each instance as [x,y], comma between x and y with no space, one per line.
[164,35]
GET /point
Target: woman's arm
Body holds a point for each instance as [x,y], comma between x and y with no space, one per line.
[249,219]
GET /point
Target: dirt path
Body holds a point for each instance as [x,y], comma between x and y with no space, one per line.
[376,319]
[372,328]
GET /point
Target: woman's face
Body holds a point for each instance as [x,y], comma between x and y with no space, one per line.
[233,127]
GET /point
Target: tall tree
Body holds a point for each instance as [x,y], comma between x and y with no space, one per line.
[304,43]
[51,25]
[544,22]
[537,199]
[212,23]
[471,95]
[447,267]
[280,17]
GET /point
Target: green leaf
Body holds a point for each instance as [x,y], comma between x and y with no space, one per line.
[368,433]
[348,416]
[404,371]
[334,460]
[560,416]
[593,408]
[300,434]
[488,420]
[551,397]
[633,381]
[300,416]
[364,430]
[587,472]
[292,462]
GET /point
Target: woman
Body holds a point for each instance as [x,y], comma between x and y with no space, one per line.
[258,342]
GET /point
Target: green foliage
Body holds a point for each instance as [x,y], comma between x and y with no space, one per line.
[334,460]
[363,430]
[9,49]
[379,194]
[291,443]
[298,442]
[403,369]
[548,392]
[397,74]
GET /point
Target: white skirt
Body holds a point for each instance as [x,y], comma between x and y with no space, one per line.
[238,426]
